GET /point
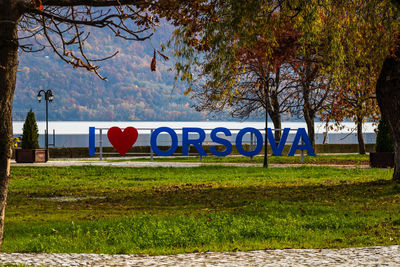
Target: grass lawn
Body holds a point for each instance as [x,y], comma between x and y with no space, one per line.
[93,209]
[346,159]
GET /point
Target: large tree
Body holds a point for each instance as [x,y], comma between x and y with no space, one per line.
[376,29]
[373,26]
[238,24]
[258,84]
[388,96]
[313,88]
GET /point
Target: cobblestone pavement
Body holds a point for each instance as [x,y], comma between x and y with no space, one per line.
[371,256]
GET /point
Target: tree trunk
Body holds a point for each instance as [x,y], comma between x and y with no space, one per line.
[360,137]
[388,96]
[308,113]
[309,118]
[310,129]
[275,109]
[276,120]
[8,70]
[265,164]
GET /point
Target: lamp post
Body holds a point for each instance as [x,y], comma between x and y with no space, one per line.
[268,82]
[48,96]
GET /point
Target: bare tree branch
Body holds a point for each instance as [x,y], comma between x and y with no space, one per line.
[66,25]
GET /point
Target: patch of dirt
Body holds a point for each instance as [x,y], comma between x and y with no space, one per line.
[68,198]
[186,187]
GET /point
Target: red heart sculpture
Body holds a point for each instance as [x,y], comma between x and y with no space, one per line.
[122,141]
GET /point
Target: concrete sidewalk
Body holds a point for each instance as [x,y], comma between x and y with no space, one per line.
[65,163]
[92,162]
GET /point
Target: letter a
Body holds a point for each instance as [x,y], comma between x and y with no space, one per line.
[301,133]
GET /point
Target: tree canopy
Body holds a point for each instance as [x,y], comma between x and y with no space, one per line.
[341,46]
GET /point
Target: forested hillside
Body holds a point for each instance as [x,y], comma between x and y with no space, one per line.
[132,91]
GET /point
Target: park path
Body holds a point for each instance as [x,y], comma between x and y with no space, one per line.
[83,162]
[370,256]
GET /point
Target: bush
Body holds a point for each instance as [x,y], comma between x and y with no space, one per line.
[384,141]
[30,133]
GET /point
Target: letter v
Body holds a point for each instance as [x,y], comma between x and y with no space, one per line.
[277,151]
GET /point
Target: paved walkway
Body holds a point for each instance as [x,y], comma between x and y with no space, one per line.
[83,162]
[372,256]
[64,163]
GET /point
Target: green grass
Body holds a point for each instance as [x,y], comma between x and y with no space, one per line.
[209,208]
[353,159]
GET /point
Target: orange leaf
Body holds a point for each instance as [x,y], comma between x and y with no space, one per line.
[38,4]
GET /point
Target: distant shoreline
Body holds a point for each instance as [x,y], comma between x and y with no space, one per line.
[76,133]
[81,127]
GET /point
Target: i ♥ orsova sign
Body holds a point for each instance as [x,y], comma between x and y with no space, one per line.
[123,140]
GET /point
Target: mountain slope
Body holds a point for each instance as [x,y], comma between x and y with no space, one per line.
[132,92]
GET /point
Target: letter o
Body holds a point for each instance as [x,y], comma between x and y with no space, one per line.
[174,141]
[239,140]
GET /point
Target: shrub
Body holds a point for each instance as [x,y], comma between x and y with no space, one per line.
[30,133]
[384,141]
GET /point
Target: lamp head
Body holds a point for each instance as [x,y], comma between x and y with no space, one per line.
[50,95]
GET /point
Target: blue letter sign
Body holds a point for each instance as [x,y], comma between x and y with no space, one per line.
[92,141]
[239,139]
[277,151]
[300,142]
[195,142]
[174,141]
[221,141]
[301,133]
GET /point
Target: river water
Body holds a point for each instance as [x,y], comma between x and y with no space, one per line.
[75,133]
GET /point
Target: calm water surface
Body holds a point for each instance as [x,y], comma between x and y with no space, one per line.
[75,133]
[82,127]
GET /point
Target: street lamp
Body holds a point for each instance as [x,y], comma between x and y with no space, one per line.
[269,82]
[48,96]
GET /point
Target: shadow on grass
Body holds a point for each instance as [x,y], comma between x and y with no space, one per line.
[199,198]
[205,214]
[186,218]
